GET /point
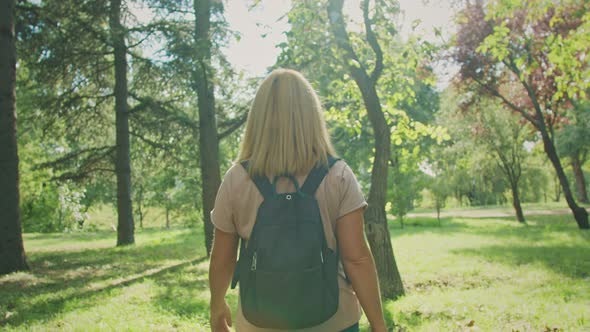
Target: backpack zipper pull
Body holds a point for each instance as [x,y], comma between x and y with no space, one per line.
[322,256]
[253,267]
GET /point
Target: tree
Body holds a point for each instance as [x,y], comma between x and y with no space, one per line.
[12,252]
[202,80]
[312,48]
[527,54]
[76,84]
[573,142]
[125,225]
[70,76]
[483,128]
[412,141]
[438,182]
[376,220]
[500,133]
[194,32]
[471,169]
[67,56]
[440,193]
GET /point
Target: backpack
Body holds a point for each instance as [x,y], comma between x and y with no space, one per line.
[288,274]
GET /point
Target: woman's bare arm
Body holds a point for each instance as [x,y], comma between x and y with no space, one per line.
[221,269]
[360,267]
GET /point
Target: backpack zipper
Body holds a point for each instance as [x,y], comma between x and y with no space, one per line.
[253,266]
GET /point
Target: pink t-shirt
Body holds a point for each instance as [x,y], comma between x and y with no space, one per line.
[339,193]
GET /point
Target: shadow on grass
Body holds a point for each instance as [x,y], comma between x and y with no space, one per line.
[554,241]
[51,307]
[97,235]
[185,294]
[419,225]
[571,261]
[408,321]
[537,228]
[57,278]
[62,281]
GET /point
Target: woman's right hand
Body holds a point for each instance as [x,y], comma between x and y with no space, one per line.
[220,317]
[380,328]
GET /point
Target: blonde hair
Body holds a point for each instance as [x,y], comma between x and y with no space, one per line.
[286,131]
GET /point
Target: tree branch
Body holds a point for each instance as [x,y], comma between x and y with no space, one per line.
[372,39]
[103,150]
[233,125]
[529,89]
[84,166]
[80,175]
[338,27]
[168,110]
[149,142]
[508,103]
[140,41]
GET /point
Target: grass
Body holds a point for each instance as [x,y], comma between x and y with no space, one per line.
[527,207]
[493,274]
[104,217]
[487,274]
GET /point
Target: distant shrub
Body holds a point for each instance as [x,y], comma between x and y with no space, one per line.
[53,208]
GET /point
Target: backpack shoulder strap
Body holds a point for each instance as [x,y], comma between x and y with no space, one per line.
[236,276]
[316,176]
[264,186]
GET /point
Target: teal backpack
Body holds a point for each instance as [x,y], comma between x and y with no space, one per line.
[288,275]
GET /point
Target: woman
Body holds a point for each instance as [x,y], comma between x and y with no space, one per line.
[286,134]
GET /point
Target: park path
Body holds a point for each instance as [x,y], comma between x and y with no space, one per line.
[490,213]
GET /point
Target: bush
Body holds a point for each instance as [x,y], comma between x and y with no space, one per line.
[54,208]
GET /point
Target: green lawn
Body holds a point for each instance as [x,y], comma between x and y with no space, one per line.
[530,208]
[488,274]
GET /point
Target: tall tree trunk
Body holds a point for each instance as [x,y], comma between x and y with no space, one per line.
[139,202]
[12,252]
[208,139]
[556,189]
[580,179]
[580,214]
[125,225]
[516,200]
[545,195]
[167,217]
[511,167]
[376,220]
[140,212]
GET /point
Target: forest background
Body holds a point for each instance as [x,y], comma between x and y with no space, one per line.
[119,118]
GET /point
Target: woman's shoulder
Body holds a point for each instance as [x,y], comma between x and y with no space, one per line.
[339,169]
[236,173]
[340,173]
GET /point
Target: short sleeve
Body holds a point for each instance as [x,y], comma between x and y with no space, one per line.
[222,214]
[351,195]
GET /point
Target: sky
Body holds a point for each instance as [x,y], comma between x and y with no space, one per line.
[263,27]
